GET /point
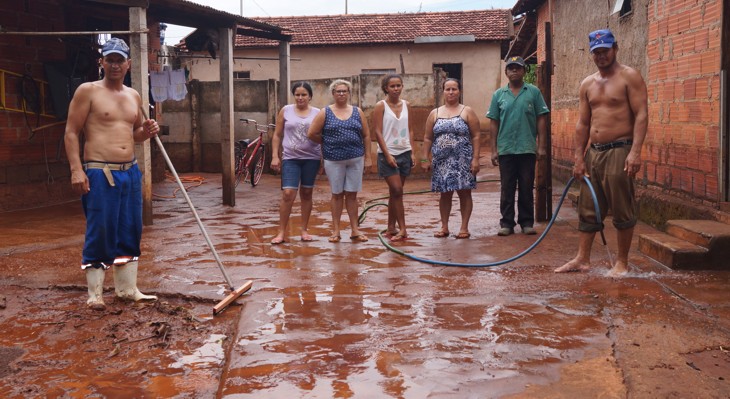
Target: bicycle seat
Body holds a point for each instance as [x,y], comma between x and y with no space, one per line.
[243,142]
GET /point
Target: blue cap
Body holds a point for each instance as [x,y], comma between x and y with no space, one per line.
[115,45]
[602,38]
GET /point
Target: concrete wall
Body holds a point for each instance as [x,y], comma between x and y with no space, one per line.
[481,65]
[199,113]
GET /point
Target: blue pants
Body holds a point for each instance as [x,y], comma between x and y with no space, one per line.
[113,215]
[517,173]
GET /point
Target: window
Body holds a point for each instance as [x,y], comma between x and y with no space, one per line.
[242,75]
[622,7]
[383,71]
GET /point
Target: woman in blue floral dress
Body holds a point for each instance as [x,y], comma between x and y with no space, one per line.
[451,151]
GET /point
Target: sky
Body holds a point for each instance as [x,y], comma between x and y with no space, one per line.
[280,8]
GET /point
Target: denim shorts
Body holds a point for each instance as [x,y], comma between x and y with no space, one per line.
[345,175]
[404,165]
[294,171]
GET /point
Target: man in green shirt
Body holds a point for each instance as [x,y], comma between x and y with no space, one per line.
[519,129]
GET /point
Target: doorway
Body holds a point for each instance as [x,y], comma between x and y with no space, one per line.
[451,71]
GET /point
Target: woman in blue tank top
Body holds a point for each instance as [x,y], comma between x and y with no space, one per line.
[343,132]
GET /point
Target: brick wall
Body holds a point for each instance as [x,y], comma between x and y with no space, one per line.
[683,51]
[680,62]
[33,167]
[32,170]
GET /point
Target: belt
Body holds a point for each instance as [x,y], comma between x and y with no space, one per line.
[110,166]
[613,144]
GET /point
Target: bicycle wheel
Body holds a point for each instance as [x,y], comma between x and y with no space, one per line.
[240,170]
[238,163]
[247,164]
[257,166]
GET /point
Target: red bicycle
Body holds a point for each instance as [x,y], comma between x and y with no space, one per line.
[250,155]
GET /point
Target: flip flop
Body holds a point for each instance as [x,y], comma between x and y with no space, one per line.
[334,239]
[391,234]
[359,238]
[462,236]
[399,237]
[441,234]
[277,241]
[307,238]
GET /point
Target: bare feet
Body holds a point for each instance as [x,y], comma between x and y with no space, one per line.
[575,265]
[306,237]
[619,269]
[279,239]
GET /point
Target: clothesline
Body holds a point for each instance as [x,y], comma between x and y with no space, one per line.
[168,84]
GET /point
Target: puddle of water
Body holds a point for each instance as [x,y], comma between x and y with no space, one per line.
[210,354]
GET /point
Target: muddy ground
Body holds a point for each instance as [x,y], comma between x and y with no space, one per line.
[352,320]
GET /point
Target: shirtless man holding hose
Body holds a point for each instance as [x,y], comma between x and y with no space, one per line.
[613,114]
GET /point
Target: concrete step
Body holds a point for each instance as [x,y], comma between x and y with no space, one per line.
[705,233]
[673,252]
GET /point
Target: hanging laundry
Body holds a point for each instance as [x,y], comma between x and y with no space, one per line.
[177,89]
[160,85]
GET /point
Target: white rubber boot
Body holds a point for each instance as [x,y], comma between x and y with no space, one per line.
[95,281]
[125,283]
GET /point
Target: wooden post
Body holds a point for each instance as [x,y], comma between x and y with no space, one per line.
[226,136]
[195,124]
[284,74]
[140,82]
[544,175]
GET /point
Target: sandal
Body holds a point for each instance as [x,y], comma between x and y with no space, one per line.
[391,234]
[359,238]
[399,237]
[277,241]
[334,239]
[462,236]
[307,238]
[441,234]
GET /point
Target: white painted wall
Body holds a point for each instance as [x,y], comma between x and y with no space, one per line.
[481,65]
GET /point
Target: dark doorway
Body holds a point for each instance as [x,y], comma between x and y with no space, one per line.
[452,71]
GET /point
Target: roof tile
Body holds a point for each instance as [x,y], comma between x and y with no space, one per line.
[349,29]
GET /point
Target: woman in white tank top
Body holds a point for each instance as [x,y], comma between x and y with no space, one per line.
[394,134]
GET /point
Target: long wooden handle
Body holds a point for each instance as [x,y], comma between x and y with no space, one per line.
[192,207]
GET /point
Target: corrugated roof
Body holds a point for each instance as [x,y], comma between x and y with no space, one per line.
[188,13]
[355,29]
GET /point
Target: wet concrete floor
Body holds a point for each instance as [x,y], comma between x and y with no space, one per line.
[352,320]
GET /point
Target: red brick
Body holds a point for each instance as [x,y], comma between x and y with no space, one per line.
[695,17]
[707,161]
[711,189]
[685,177]
[663,175]
[689,87]
[701,88]
[699,187]
[702,40]
[700,135]
[714,39]
[713,12]
[710,62]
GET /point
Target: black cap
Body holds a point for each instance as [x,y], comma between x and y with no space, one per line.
[515,60]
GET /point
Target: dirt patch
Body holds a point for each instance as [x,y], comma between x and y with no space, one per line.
[55,346]
[713,362]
